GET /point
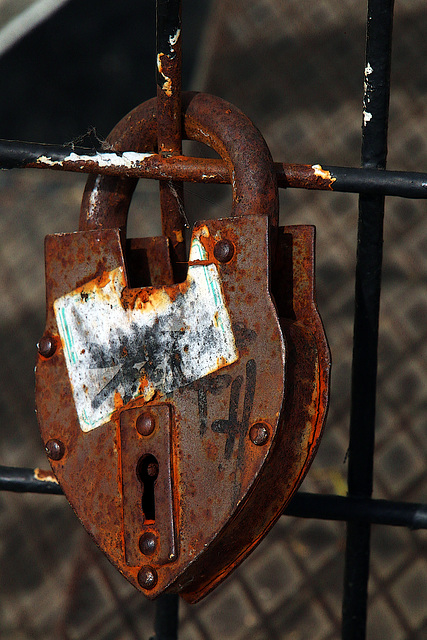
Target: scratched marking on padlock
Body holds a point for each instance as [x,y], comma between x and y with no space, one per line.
[158,344]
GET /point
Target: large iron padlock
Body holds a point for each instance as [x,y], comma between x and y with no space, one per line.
[180,418]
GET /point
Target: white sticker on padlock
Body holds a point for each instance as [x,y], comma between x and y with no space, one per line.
[167,338]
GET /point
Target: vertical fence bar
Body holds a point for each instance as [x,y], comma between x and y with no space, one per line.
[367,304]
[169,62]
[166,618]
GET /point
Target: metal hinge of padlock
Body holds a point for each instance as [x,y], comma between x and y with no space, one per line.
[180,418]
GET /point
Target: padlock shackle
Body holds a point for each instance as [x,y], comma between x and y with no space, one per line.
[207,119]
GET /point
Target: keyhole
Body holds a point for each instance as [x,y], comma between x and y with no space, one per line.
[147,471]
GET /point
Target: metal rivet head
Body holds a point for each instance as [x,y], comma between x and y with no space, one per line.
[54,449]
[224,250]
[145,424]
[259,433]
[147,577]
[47,346]
[148,543]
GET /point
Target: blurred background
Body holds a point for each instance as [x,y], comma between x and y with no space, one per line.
[296,69]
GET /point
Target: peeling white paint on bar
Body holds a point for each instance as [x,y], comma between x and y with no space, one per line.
[115,354]
[127,160]
[368,70]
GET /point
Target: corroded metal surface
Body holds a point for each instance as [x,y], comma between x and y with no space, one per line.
[206,119]
[179,498]
[169,136]
[178,167]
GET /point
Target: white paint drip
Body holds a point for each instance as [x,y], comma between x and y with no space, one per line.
[115,353]
[368,70]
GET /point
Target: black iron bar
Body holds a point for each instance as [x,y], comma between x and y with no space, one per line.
[169,143]
[23,480]
[367,304]
[166,617]
[302,505]
[365,510]
[169,135]
[22,155]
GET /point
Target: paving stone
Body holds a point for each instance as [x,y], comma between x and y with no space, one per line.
[399,464]
[273,576]
[317,542]
[89,602]
[230,614]
[330,583]
[410,591]
[390,549]
[189,631]
[382,622]
[303,619]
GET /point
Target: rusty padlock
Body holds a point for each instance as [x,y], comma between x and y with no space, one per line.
[181,417]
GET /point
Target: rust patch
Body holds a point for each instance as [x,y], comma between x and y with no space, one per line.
[304,176]
[45,476]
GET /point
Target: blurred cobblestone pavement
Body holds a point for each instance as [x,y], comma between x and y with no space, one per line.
[296,68]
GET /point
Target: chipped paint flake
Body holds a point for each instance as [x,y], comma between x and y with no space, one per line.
[367,90]
[367,117]
[168,338]
[45,160]
[167,85]
[45,476]
[322,173]
[178,235]
[174,39]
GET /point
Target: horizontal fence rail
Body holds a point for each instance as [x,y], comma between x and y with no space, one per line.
[302,505]
[30,155]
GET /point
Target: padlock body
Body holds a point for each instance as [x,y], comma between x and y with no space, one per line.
[210,465]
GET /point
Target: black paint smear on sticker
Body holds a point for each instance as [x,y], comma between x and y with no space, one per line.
[150,352]
[232,427]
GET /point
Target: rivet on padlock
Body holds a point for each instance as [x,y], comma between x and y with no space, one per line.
[188,412]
